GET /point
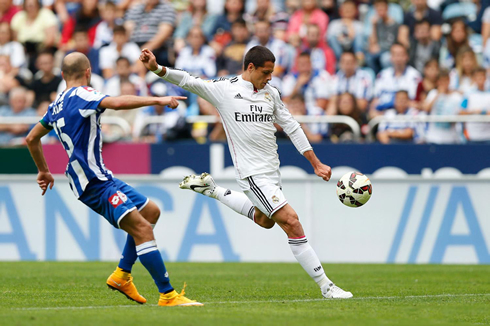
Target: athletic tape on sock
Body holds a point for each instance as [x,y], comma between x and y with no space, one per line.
[146,247]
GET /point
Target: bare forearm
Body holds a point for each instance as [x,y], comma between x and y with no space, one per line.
[128,102]
[36,149]
[311,157]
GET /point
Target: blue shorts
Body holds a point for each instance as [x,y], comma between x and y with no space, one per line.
[112,199]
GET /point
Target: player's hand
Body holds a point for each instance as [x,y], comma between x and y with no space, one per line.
[148,59]
[323,171]
[172,101]
[45,179]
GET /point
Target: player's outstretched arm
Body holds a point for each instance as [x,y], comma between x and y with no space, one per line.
[33,140]
[211,92]
[321,170]
[128,102]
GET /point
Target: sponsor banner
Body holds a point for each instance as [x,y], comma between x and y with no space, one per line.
[406,221]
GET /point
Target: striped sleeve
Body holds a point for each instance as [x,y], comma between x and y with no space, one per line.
[87,100]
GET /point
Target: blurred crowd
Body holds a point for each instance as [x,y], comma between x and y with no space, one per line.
[356,58]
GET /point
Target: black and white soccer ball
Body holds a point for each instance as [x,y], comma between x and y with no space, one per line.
[354,189]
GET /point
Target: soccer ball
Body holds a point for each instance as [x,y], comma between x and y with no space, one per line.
[354,189]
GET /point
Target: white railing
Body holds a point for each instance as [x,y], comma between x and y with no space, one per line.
[111,120]
[353,125]
[426,118]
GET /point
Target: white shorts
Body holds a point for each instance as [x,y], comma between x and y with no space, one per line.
[264,191]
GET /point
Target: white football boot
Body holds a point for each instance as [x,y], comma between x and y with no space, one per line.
[332,291]
[203,184]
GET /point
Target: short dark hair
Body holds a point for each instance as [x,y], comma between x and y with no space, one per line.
[402,91]
[399,44]
[119,29]
[479,70]
[258,56]
[304,54]
[443,73]
[297,96]
[380,1]
[80,29]
[123,59]
[349,52]
[239,22]
[422,21]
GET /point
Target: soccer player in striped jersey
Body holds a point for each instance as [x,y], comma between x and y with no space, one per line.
[75,116]
[248,107]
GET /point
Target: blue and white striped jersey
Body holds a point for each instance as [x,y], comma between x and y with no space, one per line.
[75,117]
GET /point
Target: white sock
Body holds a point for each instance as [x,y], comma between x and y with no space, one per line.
[235,200]
[308,259]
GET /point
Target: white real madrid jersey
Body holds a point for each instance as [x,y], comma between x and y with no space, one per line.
[248,118]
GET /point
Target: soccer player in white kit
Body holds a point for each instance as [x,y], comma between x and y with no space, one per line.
[249,107]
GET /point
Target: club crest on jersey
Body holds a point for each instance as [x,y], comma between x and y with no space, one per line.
[275,199]
[268,97]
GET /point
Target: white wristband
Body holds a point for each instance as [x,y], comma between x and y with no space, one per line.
[158,70]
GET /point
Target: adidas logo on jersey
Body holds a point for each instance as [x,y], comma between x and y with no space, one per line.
[238,97]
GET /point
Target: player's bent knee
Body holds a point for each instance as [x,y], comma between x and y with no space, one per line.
[151,212]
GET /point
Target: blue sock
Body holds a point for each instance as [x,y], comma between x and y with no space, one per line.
[128,255]
[152,260]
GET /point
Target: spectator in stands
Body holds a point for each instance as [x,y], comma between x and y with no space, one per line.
[345,34]
[264,11]
[311,84]
[10,47]
[315,132]
[104,30]
[81,43]
[281,50]
[347,106]
[462,76]
[9,79]
[475,23]
[230,62]
[234,11]
[36,28]
[399,132]
[442,101]
[123,73]
[86,17]
[485,28]
[308,14]
[151,25]
[173,126]
[10,133]
[400,76]
[7,11]
[112,132]
[351,79]
[420,11]
[322,56]
[457,39]
[330,8]
[119,47]
[428,83]
[197,58]
[475,102]
[422,47]
[383,36]
[45,83]
[196,15]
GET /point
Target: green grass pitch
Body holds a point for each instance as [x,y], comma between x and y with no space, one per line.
[50,293]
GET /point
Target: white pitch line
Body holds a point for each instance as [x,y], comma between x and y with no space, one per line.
[269,301]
